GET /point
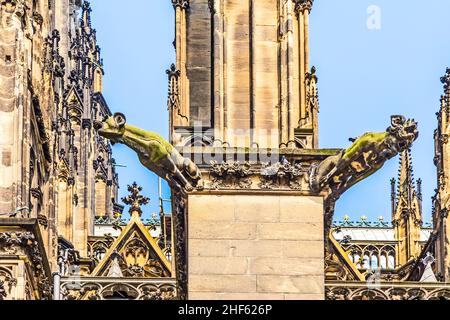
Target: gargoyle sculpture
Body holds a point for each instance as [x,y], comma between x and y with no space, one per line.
[365,157]
[154,152]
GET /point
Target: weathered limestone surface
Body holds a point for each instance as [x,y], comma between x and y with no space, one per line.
[54,168]
[255,247]
[243,68]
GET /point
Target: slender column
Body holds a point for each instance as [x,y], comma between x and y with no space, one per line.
[181,6]
[302,69]
[303,9]
[56,286]
[225,74]
[290,72]
[282,111]
[217,63]
[306,12]
[252,72]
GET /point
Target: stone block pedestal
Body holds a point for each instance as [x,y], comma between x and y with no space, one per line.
[255,246]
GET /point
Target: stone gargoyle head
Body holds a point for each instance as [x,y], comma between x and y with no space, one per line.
[367,155]
[401,135]
[112,128]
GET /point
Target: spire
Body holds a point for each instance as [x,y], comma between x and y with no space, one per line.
[446,80]
[408,199]
[86,15]
[407,210]
[406,189]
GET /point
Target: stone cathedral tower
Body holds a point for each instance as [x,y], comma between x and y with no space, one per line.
[243,104]
[56,173]
[243,74]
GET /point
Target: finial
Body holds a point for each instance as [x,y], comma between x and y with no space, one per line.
[446,79]
[346,218]
[363,219]
[135,199]
[381,219]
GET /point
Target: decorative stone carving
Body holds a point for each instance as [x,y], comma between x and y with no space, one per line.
[180,245]
[230,175]
[7,282]
[164,292]
[385,291]
[135,200]
[173,101]
[136,261]
[24,243]
[42,220]
[86,289]
[446,79]
[302,5]
[67,259]
[282,173]
[183,4]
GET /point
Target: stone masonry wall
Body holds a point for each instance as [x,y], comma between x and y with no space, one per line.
[255,247]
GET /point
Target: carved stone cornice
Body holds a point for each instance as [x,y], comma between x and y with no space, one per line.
[283,173]
[386,290]
[90,288]
[230,175]
[234,175]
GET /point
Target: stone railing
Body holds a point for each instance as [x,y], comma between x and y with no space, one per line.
[103,288]
[387,291]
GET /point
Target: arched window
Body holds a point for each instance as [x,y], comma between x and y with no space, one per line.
[351,257]
[383,261]
[356,258]
[391,261]
[374,262]
[366,262]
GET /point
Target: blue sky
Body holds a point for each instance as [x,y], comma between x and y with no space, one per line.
[365,75]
